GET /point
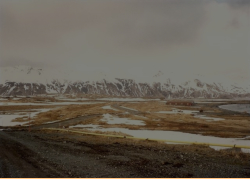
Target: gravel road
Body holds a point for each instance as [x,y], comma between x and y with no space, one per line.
[62,123]
[53,154]
[43,154]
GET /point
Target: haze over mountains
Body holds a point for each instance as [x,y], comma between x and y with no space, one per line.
[173,48]
[35,81]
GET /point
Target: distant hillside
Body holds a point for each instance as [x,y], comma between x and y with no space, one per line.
[33,81]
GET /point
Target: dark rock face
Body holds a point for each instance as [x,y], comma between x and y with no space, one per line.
[26,89]
[123,87]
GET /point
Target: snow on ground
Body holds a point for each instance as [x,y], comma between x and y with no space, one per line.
[109,107]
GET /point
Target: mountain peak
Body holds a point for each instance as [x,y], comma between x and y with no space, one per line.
[20,79]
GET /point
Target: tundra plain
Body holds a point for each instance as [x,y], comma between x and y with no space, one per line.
[34,138]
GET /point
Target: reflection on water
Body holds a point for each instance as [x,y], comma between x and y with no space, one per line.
[6,119]
[178,136]
[237,107]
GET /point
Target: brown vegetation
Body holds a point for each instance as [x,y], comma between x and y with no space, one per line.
[233,125]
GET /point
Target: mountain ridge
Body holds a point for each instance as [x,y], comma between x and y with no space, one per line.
[35,81]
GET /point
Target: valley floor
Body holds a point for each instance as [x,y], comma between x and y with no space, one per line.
[155,115]
[33,150]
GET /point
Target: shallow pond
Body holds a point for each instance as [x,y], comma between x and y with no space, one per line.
[6,119]
[178,136]
[236,107]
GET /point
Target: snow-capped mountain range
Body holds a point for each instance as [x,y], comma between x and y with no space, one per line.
[24,80]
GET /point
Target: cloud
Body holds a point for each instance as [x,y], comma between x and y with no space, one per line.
[236,4]
[133,23]
[239,3]
[125,38]
[19,61]
[158,23]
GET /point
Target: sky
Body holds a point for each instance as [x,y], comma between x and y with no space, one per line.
[129,39]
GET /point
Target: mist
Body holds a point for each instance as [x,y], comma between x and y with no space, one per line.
[129,39]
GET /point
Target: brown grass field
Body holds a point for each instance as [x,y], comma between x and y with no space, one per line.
[234,125]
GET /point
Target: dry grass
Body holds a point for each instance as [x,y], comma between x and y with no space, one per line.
[95,139]
[155,145]
[232,126]
[24,107]
[73,111]
[236,155]
[158,121]
[101,132]
[37,99]
[21,119]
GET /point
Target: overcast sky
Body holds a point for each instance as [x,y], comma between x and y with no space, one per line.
[129,38]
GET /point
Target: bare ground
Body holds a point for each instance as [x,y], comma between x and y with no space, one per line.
[46,154]
[40,153]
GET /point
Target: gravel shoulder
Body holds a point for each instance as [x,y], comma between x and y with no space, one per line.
[48,154]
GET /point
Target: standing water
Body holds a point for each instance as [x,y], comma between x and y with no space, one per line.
[237,107]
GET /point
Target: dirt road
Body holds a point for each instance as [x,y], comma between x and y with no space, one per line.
[42,154]
[62,123]
[73,121]
[134,112]
[16,160]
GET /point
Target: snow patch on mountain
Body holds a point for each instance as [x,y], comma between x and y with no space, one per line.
[24,80]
